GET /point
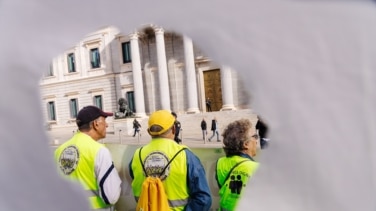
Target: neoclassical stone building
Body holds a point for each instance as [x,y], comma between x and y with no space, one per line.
[151,68]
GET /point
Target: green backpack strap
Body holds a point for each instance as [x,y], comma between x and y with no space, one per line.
[143,167]
[236,165]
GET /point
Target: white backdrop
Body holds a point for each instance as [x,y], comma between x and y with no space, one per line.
[310,67]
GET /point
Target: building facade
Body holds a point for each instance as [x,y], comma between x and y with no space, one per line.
[151,69]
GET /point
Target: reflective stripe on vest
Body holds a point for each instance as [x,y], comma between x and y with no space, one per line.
[93,196]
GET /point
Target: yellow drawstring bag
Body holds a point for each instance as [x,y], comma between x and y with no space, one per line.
[153,196]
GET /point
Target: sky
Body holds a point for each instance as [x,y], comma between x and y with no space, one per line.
[309,66]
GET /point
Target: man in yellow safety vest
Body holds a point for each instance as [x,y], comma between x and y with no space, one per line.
[85,160]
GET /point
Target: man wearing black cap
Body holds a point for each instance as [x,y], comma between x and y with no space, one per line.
[85,160]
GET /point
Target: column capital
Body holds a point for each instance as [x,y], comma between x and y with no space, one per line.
[134,36]
[158,30]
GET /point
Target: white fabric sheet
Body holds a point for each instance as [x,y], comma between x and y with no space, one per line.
[310,67]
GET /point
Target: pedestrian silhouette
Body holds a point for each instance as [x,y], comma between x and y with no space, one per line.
[208,105]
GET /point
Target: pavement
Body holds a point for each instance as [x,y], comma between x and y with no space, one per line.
[190,134]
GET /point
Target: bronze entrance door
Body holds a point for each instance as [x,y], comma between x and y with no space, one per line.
[213,90]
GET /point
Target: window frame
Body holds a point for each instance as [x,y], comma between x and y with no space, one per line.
[95,101]
[130,99]
[51,111]
[126,52]
[71,62]
[50,71]
[95,58]
[73,107]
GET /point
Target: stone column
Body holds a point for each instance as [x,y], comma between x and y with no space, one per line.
[137,76]
[164,90]
[227,92]
[191,75]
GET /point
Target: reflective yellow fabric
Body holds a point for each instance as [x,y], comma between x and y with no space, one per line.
[84,171]
[175,184]
[231,190]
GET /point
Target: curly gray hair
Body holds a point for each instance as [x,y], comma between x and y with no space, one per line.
[235,135]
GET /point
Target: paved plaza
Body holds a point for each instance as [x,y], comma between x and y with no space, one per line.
[121,131]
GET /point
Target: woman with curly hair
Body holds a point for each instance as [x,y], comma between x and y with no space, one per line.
[234,170]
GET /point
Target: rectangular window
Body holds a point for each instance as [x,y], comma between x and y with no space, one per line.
[98,101]
[50,70]
[95,59]
[73,105]
[51,111]
[126,50]
[130,98]
[71,63]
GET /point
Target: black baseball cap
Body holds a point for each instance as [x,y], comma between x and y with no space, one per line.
[90,113]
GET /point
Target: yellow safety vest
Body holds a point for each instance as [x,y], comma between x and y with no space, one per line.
[155,156]
[232,189]
[76,158]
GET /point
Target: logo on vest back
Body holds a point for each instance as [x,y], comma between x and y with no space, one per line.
[69,159]
[154,164]
[237,183]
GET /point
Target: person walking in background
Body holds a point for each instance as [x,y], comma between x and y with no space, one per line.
[208,104]
[262,130]
[85,160]
[203,128]
[215,129]
[136,127]
[177,128]
[233,171]
[184,180]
